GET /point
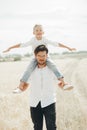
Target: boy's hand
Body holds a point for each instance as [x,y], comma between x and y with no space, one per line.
[6,50]
[72,49]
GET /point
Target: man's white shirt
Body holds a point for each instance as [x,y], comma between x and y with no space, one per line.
[42,84]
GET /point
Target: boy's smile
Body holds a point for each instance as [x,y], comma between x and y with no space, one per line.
[38,32]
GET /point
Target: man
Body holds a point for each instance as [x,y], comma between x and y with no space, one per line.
[42,96]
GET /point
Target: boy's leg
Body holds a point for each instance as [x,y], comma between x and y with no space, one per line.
[29,70]
[53,67]
[37,117]
[50,117]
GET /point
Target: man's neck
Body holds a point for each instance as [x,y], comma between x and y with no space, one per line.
[41,66]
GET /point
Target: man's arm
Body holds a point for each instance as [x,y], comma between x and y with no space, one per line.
[69,48]
[12,47]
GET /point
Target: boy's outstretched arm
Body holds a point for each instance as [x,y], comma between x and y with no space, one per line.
[12,47]
[64,46]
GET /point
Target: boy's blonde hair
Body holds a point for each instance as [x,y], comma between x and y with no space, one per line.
[37,25]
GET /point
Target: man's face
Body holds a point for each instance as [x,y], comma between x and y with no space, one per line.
[41,57]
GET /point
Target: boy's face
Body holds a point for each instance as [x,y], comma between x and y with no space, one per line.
[38,32]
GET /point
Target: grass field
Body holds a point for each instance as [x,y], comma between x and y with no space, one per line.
[71,106]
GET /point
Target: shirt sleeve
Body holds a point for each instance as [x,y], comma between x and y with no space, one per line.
[53,43]
[26,44]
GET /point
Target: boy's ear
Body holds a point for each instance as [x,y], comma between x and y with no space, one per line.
[33,32]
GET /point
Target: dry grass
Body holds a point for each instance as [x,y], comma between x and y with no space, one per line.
[71,106]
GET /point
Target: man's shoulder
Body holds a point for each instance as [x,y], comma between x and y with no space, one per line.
[49,71]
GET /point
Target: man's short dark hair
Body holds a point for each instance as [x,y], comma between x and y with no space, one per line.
[40,48]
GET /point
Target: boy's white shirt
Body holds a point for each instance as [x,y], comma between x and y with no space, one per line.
[33,42]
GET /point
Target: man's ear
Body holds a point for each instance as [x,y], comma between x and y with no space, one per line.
[35,55]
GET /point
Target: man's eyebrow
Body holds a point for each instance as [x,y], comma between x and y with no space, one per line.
[41,55]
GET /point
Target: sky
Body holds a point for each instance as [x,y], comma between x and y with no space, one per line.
[64,21]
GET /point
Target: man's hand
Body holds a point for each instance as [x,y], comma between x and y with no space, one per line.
[61,83]
[64,86]
[22,87]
